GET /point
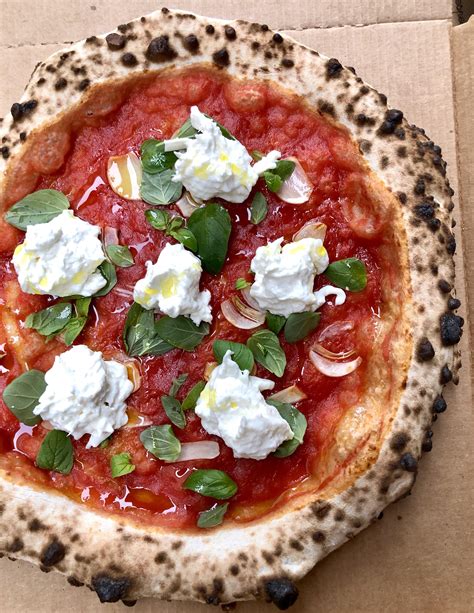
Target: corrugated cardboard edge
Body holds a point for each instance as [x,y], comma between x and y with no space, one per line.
[462,48]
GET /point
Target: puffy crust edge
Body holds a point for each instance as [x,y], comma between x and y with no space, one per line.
[123,561]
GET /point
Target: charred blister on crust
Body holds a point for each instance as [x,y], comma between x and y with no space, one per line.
[282,592]
[53,553]
[160,50]
[110,589]
[115,42]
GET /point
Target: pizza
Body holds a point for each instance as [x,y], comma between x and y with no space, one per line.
[227,310]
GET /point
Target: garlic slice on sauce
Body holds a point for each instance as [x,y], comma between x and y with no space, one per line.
[333,369]
[289,394]
[242,316]
[198,450]
[311,229]
[187,204]
[297,188]
[124,173]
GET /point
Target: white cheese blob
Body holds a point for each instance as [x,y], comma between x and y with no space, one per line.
[60,258]
[215,166]
[284,276]
[171,285]
[85,394]
[232,406]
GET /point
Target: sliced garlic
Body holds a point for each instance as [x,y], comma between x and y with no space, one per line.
[124,173]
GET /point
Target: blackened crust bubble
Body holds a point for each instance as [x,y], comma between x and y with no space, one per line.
[191,43]
[408,462]
[453,304]
[19,111]
[230,33]
[439,405]
[424,210]
[53,553]
[128,59]
[277,38]
[446,375]
[393,118]
[221,57]
[425,351]
[451,329]
[333,68]
[108,589]
[282,592]
[115,42]
[160,50]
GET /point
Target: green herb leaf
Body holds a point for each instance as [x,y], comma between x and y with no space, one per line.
[107,270]
[211,226]
[213,516]
[50,320]
[159,188]
[56,453]
[273,181]
[284,169]
[158,219]
[72,329]
[154,158]
[181,332]
[266,349]
[177,383]
[121,464]
[105,443]
[174,411]
[212,483]
[187,130]
[139,333]
[275,323]
[350,274]
[186,237]
[22,395]
[298,424]
[39,207]
[161,442]
[242,284]
[299,325]
[192,397]
[120,255]
[241,354]
[82,306]
[259,208]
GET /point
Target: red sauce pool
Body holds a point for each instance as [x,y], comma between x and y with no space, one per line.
[261,118]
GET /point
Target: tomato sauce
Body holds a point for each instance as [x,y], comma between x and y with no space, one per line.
[263,118]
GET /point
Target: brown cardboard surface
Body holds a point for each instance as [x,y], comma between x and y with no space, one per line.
[420,557]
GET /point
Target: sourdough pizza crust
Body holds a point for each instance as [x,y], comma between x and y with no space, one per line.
[260,559]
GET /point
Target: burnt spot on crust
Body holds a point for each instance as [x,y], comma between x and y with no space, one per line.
[74,582]
[5,151]
[393,118]
[234,570]
[427,444]
[191,43]
[295,544]
[451,245]
[129,60]
[409,463]
[425,210]
[230,33]
[161,557]
[399,442]
[115,42]
[453,303]
[109,589]
[282,592]
[444,286]
[333,68]
[439,405]
[318,536]
[129,603]
[83,85]
[15,545]
[321,509]
[287,63]
[35,525]
[221,57]
[446,375]
[424,350]
[160,50]
[52,553]
[451,329]
[277,38]
[20,110]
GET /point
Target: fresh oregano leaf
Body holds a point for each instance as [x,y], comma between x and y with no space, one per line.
[56,453]
[241,354]
[275,323]
[39,207]
[213,516]
[161,442]
[299,325]
[22,396]
[181,332]
[159,188]
[192,396]
[212,483]
[350,274]
[158,219]
[267,351]
[120,255]
[121,464]
[174,411]
[258,208]
[139,333]
[51,320]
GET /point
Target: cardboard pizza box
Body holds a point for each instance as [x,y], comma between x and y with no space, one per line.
[419,557]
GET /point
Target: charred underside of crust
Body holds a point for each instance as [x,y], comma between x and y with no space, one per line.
[122,561]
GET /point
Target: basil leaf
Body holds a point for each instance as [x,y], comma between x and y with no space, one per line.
[186,237]
[82,306]
[120,256]
[50,320]
[39,207]
[241,354]
[299,325]
[181,332]
[73,328]
[159,188]
[22,395]
[174,411]
[258,208]
[267,351]
[213,516]
[121,464]
[284,169]
[139,333]
[211,226]
[350,274]
[161,442]
[157,218]
[192,397]
[273,181]
[56,453]
[107,270]
[298,424]
[212,483]
[177,383]
[242,284]
[275,323]
[154,158]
